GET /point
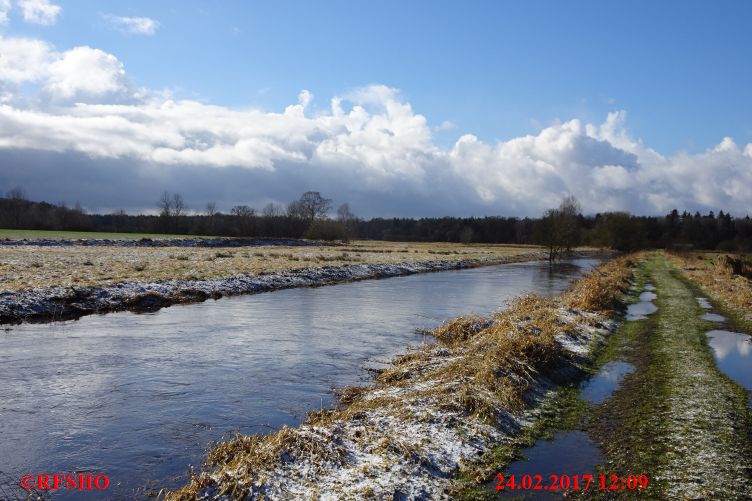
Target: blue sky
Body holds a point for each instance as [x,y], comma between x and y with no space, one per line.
[678,71]
[495,69]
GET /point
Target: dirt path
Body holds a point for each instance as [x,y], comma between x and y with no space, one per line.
[677,418]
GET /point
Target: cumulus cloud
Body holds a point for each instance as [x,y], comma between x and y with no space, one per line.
[39,11]
[369,147]
[81,74]
[133,25]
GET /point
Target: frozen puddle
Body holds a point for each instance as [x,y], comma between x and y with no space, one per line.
[713,317]
[569,453]
[600,387]
[648,296]
[733,354]
[704,303]
[649,287]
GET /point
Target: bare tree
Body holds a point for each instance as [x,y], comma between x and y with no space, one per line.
[310,206]
[245,217]
[178,205]
[17,193]
[272,210]
[243,211]
[344,214]
[347,219]
[165,204]
[559,229]
[18,204]
[211,209]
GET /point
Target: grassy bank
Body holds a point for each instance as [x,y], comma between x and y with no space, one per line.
[677,418]
[24,267]
[431,414]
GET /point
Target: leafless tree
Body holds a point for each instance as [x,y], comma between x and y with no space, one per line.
[165,204]
[559,228]
[211,209]
[18,204]
[310,206]
[272,210]
[243,211]
[178,205]
[17,193]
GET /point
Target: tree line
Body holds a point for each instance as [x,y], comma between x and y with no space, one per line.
[313,216]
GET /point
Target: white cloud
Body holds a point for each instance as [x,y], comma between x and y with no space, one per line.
[4,9]
[86,73]
[80,74]
[370,147]
[24,60]
[134,25]
[39,11]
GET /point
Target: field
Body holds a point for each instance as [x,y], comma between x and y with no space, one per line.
[75,235]
[23,267]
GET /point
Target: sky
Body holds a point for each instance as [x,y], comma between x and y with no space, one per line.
[398,108]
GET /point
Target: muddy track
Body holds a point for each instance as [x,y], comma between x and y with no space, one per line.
[677,418]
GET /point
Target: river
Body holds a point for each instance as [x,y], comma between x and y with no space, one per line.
[139,397]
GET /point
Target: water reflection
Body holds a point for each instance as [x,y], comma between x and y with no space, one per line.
[569,453]
[704,303]
[713,317]
[600,387]
[640,311]
[733,354]
[139,397]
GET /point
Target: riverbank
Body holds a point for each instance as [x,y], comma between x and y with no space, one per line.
[431,413]
[58,302]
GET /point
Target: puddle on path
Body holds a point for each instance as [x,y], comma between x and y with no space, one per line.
[704,303]
[713,317]
[569,453]
[733,354]
[641,310]
[600,387]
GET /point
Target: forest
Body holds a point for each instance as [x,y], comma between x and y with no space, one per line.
[310,217]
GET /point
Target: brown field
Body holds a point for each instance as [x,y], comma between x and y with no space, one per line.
[23,267]
[712,272]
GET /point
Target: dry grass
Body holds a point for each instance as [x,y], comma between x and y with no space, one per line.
[480,371]
[23,267]
[599,290]
[721,275]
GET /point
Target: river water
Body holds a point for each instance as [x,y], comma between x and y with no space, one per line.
[139,397]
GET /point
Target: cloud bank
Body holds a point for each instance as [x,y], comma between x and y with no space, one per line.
[72,126]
